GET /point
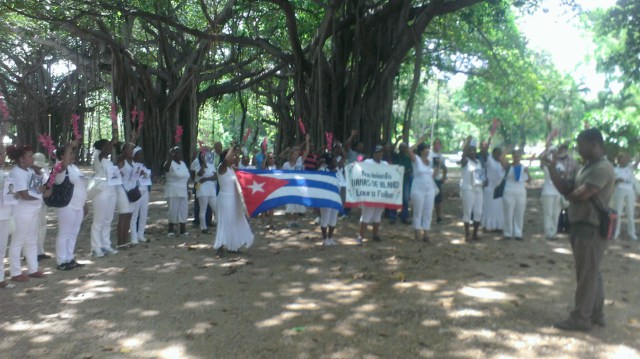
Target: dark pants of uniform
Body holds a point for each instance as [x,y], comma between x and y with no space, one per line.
[588,250]
[406,197]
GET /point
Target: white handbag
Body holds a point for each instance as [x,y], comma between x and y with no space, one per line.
[95,186]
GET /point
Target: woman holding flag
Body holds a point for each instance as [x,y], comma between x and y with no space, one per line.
[296,162]
[233,229]
[329,216]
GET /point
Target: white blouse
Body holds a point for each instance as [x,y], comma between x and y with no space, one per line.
[516,186]
[472,176]
[5,210]
[79,186]
[626,175]
[177,180]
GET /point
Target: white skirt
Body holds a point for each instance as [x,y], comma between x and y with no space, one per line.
[492,214]
[233,230]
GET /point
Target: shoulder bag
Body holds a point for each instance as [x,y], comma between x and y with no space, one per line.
[499,190]
[60,193]
[608,219]
[133,194]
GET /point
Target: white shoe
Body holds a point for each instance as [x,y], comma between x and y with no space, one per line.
[185,234]
[359,240]
[143,240]
[134,242]
[333,243]
[326,242]
[171,234]
[109,250]
[97,254]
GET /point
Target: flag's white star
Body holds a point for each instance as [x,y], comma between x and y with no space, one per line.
[256,187]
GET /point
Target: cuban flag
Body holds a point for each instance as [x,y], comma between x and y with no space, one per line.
[263,190]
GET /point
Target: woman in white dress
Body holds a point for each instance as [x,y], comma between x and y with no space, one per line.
[514,198]
[70,217]
[624,195]
[551,198]
[233,230]
[6,214]
[296,163]
[176,191]
[28,189]
[472,182]
[423,190]
[492,212]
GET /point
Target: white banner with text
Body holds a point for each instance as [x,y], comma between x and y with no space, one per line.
[374,185]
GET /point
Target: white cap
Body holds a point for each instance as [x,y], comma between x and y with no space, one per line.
[39,160]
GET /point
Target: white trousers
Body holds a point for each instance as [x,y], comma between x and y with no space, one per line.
[42,228]
[139,216]
[205,201]
[625,199]
[25,237]
[104,206]
[178,209]
[471,205]
[4,238]
[422,204]
[551,207]
[69,222]
[328,217]
[513,204]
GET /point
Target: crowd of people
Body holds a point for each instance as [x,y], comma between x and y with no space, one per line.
[120,184]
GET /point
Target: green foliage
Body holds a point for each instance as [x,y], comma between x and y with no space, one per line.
[620,128]
[617,33]
[505,79]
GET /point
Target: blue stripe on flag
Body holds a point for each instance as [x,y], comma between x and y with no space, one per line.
[304,201]
[284,173]
[301,182]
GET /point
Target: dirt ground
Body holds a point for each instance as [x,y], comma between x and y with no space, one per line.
[290,297]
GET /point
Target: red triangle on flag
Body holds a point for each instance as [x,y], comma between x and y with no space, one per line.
[255,188]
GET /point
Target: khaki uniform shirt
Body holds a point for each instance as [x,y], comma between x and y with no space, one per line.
[601,175]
